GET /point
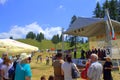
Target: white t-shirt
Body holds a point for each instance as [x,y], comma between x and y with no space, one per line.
[5,68]
[66,67]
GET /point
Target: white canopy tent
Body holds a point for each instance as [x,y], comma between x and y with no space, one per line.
[89,27]
[11,45]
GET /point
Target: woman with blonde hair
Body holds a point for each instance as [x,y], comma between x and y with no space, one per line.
[107,67]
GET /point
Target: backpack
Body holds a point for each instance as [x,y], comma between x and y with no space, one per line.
[11,71]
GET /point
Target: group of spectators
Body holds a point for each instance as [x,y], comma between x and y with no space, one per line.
[19,66]
[86,54]
[92,71]
[62,68]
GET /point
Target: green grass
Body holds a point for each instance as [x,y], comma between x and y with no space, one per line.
[44,44]
[47,44]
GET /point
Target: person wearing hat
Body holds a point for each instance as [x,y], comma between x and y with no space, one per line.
[23,69]
[107,67]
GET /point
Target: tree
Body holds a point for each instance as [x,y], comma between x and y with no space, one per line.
[98,12]
[111,5]
[38,38]
[106,5]
[73,19]
[60,39]
[72,40]
[82,41]
[11,37]
[41,36]
[55,40]
[31,35]
[113,9]
[118,11]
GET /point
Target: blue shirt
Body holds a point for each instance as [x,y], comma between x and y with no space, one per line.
[22,70]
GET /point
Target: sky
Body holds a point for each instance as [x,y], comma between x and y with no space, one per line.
[18,17]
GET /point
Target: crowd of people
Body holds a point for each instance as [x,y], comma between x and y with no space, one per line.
[93,70]
[86,54]
[15,68]
[61,66]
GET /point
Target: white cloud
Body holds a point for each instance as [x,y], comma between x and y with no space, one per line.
[20,31]
[3,1]
[98,0]
[61,7]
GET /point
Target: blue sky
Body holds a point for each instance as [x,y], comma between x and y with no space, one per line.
[18,17]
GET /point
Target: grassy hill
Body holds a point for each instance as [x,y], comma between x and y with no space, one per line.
[47,44]
[44,44]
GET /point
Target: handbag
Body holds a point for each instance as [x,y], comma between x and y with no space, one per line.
[75,72]
[84,74]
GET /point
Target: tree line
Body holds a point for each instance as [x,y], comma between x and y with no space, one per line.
[39,37]
[31,35]
[112,5]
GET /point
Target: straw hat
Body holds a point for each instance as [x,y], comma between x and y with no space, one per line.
[107,57]
[24,56]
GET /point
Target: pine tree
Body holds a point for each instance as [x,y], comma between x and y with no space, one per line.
[98,11]
[60,38]
[73,19]
[113,9]
[55,40]
[106,5]
[31,35]
[41,36]
[38,38]
[11,37]
[111,5]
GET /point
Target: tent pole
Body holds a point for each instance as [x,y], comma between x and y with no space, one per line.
[108,31]
[63,42]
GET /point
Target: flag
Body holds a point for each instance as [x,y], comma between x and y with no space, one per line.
[112,34]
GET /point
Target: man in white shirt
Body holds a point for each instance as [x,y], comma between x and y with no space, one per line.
[95,69]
